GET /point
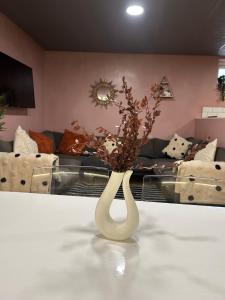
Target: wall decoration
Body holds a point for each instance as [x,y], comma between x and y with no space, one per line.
[103,93]
[165,90]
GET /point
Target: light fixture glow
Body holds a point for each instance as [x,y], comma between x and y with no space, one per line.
[135,10]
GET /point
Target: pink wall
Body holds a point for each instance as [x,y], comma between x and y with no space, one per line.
[68,76]
[213,128]
[62,85]
[17,44]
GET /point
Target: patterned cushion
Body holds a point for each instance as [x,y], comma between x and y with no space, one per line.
[72,143]
[110,145]
[177,147]
[23,143]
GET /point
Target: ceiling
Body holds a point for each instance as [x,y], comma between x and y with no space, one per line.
[166,27]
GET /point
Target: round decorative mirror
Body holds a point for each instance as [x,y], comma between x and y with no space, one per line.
[103,93]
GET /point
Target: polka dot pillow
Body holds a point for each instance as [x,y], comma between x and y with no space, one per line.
[177,147]
[110,144]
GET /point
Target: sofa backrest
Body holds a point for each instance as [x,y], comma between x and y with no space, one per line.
[220,154]
[55,136]
[153,149]
[6,146]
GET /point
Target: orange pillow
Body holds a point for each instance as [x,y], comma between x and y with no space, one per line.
[72,143]
[45,144]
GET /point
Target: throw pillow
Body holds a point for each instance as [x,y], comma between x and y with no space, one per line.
[72,143]
[110,144]
[177,147]
[23,143]
[193,150]
[45,144]
[208,153]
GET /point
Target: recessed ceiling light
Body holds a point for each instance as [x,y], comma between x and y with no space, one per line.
[135,10]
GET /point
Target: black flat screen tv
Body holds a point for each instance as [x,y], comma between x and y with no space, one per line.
[16,83]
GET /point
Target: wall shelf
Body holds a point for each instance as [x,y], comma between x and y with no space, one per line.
[165,90]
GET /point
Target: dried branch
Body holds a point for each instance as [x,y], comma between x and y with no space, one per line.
[128,137]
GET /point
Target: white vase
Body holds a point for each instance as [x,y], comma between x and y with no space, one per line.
[109,228]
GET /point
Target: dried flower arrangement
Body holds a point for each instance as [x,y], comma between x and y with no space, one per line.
[128,139]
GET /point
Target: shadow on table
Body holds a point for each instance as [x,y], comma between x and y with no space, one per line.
[151,228]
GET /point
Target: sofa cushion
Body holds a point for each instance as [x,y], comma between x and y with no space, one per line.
[6,146]
[207,153]
[80,160]
[92,161]
[177,147]
[153,149]
[23,143]
[220,154]
[45,144]
[69,160]
[72,143]
[193,150]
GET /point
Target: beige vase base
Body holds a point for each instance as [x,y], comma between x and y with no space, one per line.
[107,226]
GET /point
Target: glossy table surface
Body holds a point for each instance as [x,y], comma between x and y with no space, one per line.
[50,249]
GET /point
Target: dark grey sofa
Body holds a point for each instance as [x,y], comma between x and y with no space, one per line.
[149,155]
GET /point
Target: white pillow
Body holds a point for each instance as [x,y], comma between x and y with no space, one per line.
[208,153]
[23,143]
[177,147]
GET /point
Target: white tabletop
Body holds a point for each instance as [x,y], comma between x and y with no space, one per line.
[49,250]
